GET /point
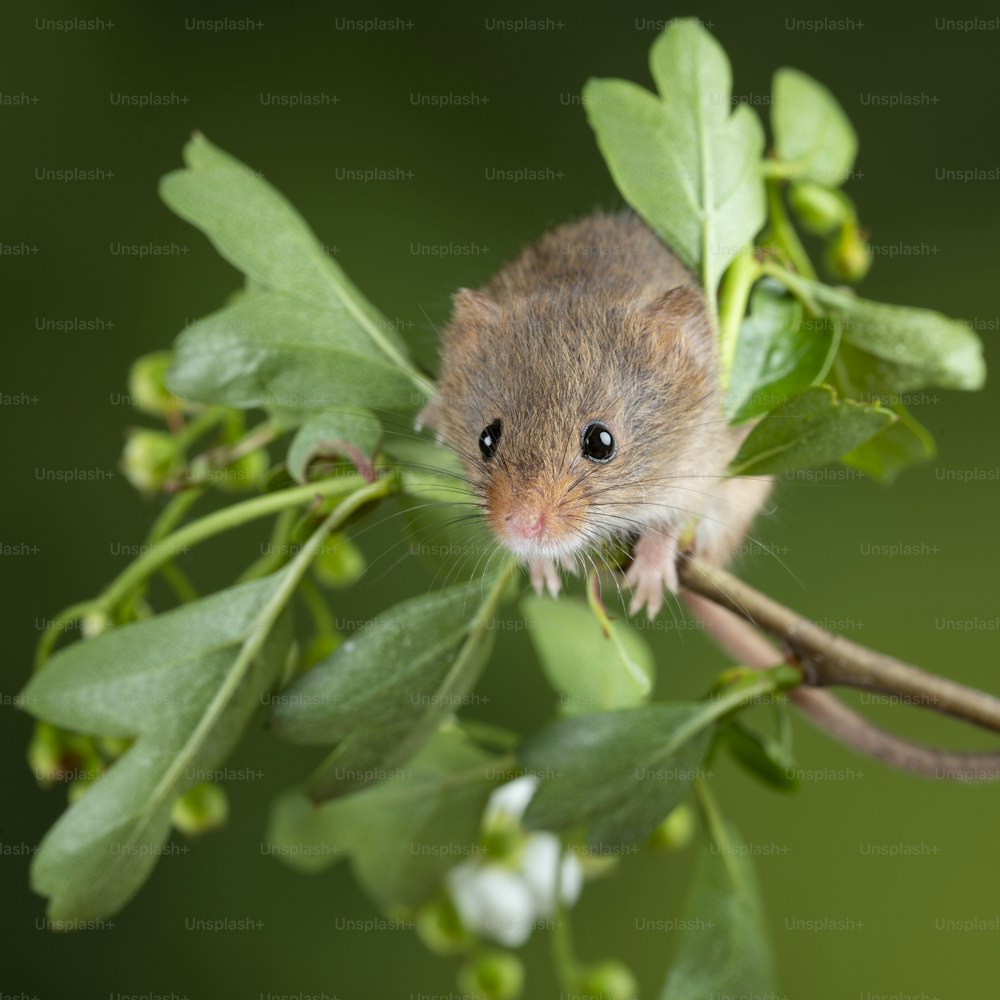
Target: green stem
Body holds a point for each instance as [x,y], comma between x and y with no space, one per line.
[597,608]
[717,830]
[203,422]
[221,456]
[783,233]
[734,296]
[317,607]
[780,169]
[793,283]
[277,549]
[226,519]
[179,582]
[564,961]
[172,514]
[737,695]
[489,735]
[54,628]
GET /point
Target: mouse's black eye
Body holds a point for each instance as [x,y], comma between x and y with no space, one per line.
[597,443]
[489,440]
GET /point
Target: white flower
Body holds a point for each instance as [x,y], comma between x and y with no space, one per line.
[504,899]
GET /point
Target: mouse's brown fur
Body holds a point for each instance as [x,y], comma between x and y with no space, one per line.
[597,321]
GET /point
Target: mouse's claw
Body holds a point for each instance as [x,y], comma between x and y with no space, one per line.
[653,570]
[545,576]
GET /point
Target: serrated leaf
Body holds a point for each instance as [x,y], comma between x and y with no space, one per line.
[724,949]
[349,431]
[927,345]
[901,445]
[180,687]
[256,229]
[590,670]
[275,350]
[384,690]
[810,429]
[686,162]
[401,835]
[778,353]
[811,131]
[617,773]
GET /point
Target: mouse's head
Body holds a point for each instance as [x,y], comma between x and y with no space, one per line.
[568,413]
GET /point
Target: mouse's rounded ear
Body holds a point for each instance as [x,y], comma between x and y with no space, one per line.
[471,310]
[680,316]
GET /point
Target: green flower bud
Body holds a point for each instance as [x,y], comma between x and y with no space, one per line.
[440,928]
[147,384]
[94,624]
[608,980]
[492,975]
[675,832]
[112,747]
[200,809]
[847,256]
[820,209]
[45,754]
[149,459]
[341,563]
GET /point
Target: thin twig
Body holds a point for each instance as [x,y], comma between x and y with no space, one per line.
[727,608]
[828,659]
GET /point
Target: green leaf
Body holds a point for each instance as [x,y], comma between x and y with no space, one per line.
[778,354]
[763,755]
[348,431]
[687,162]
[617,773]
[810,429]
[930,347]
[724,949]
[902,444]
[591,671]
[256,229]
[386,689]
[811,131]
[308,837]
[401,835]
[275,350]
[183,687]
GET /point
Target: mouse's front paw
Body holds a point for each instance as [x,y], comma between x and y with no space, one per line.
[653,570]
[545,576]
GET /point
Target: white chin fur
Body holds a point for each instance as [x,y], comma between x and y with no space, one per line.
[528,550]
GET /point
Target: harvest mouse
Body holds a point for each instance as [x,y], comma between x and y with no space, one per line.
[580,389]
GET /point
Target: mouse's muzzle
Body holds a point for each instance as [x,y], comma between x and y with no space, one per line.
[537,520]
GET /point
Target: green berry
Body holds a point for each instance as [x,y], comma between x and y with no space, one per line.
[149,459]
[147,384]
[201,809]
[492,975]
[820,209]
[676,831]
[608,980]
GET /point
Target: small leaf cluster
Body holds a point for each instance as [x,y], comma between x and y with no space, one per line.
[696,170]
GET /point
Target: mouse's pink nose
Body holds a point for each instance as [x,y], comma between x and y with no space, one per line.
[527,523]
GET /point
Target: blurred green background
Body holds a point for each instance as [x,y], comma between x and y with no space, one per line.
[823,853]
